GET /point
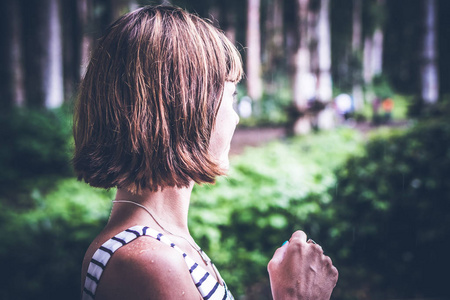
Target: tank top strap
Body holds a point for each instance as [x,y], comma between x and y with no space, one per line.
[206,284]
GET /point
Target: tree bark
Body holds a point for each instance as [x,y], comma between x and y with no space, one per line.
[254,81]
[12,91]
[357,25]
[324,84]
[358,96]
[54,72]
[274,35]
[43,53]
[84,7]
[367,60]
[303,81]
[72,45]
[274,52]
[324,93]
[373,47]
[429,69]
[377,52]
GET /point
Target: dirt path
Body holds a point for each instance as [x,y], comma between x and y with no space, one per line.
[253,137]
[244,137]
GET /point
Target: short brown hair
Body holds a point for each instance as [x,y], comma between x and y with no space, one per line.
[148,102]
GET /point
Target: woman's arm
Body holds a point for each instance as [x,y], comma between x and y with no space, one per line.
[300,270]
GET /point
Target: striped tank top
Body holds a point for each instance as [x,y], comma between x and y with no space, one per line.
[206,284]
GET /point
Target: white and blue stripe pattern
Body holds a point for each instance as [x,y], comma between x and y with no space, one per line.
[206,284]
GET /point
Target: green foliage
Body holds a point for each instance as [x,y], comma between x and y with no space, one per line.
[391,214]
[36,144]
[381,87]
[43,246]
[270,192]
[48,218]
[401,103]
[241,220]
[383,215]
[419,109]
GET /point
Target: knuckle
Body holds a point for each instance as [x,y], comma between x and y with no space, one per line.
[299,234]
[317,248]
[335,272]
[297,244]
[328,261]
[271,266]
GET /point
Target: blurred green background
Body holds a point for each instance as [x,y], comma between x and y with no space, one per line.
[371,184]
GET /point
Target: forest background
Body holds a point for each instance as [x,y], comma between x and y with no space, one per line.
[368,179]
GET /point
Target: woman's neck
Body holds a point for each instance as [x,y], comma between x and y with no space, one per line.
[169,208]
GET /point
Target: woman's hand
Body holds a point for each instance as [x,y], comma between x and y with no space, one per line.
[300,270]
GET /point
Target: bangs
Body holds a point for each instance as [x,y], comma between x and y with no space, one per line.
[233,60]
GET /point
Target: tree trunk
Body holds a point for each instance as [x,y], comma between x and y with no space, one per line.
[358,97]
[11,73]
[84,7]
[324,84]
[72,45]
[377,52]
[367,60]
[358,101]
[357,25]
[274,36]
[304,81]
[324,91]
[313,39]
[373,56]
[43,54]
[273,48]
[429,69]
[254,81]
[373,47]
[54,71]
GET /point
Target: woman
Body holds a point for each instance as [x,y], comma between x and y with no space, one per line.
[154,116]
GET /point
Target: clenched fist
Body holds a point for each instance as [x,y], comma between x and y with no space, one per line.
[300,270]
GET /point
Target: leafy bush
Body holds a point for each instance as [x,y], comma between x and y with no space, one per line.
[43,242]
[43,246]
[36,145]
[270,192]
[383,216]
[417,108]
[391,215]
[381,88]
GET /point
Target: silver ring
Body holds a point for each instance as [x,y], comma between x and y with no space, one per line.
[311,241]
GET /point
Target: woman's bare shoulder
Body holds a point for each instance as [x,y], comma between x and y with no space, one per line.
[146,269]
